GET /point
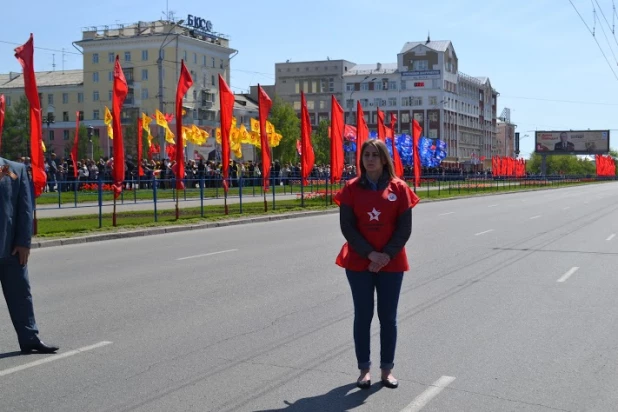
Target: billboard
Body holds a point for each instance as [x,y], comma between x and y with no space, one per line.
[574,142]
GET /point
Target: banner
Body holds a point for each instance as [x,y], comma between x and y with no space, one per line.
[573,142]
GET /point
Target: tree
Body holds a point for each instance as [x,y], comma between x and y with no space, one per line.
[16,134]
[561,165]
[287,123]
[84,151]
[321,143]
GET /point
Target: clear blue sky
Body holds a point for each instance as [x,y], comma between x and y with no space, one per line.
[531,49]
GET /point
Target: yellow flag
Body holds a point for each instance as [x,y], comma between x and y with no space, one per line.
[255,126]
[160,119]
[110,131]
[107,119]
[43,146]
[169,136]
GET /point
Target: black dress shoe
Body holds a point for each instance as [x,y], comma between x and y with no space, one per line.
[364,384]
[390,383]
[40,347]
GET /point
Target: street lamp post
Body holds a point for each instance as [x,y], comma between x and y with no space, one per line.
[90,134]
[160,69]
[48,120]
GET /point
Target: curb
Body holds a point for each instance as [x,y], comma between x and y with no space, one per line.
[174,229]
[235,222]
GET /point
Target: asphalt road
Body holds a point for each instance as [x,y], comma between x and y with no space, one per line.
[510,306]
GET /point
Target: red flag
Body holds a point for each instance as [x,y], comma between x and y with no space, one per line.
[75,144]
[170,150]
[120,91]
[2,108]
[396,159]
[362,134]
[184,84]
[307,155]
[381,127]
[416,138]
[336,141]
[25,56]
[140,134]
[226,98]
[264,105]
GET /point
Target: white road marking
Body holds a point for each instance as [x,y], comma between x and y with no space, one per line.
[566,208]
[208,254]
[568,274]
[482,233]
[611,236]
[445,214]
[423,399]
[53,358]
[535,217]
[492,205]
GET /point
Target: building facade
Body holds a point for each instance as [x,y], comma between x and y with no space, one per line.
[424,84]
[150,54]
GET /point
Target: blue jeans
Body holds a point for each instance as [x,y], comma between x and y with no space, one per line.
[364,285]
[16,288]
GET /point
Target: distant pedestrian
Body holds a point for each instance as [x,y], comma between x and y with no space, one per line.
[376,220]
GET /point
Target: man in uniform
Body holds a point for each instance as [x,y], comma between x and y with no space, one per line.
[15,237]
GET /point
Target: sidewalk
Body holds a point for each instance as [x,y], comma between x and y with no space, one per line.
[92,208]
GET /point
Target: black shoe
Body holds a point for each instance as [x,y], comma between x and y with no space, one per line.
[40,347]
[364,384]
[390,383]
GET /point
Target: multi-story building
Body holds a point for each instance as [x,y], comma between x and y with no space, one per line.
[318,79]
[60,94]
[150,54]
[425,84]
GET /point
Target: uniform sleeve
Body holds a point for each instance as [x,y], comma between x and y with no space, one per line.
[344,196]
[23,235]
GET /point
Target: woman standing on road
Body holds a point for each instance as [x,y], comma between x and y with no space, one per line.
[376,220]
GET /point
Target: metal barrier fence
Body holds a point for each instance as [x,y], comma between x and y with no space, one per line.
[203,196]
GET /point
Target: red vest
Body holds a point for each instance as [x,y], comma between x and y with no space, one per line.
[376,214]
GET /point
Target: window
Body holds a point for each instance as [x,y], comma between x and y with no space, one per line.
[95,77]
[322,105]
[403,85]
[51,134]
[110,95]
[144,94]
[364,86]
[405,117]
[349,87]
[364,102]
[184,55]
[331,84]
[50,99]
[95,96]
[65,98]
[392,85]
[144,74]
[433,100]
[8,101]
[212,80]
[111,57]
[95,115]
[203,60]
[127,56]
[392,101]
[144,55]
[420,65]
[349,104]
[405,101]
[433,116]
[110,76]
[81,115]
[378,86]
[212,61]
[310,105]
[65,116]
[377,102]
[65,135]
[95,58]
[297,87]
[80,97]
[296,105]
